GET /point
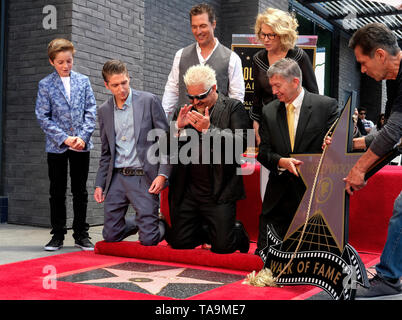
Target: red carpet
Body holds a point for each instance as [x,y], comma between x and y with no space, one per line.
[25,280]
[371,208]
[369,211]
[198,256]
[248,209]
[234,261]
[30,280]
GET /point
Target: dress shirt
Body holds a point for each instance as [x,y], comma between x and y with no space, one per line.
[126,154]
[67,86]
[235,72]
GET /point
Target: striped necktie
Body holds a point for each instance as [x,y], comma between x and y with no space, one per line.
[290,113]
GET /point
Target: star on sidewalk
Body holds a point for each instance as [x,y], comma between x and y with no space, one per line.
[153,281]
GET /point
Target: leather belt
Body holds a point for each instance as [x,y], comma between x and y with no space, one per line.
[130,171]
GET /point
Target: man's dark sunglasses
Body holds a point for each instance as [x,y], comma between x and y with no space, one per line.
[200,96]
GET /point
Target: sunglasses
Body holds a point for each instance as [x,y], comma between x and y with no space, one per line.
[362,113]
[200,96]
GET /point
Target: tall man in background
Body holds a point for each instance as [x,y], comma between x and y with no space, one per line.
[206,50]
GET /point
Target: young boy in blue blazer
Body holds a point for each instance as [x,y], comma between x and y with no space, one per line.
[66,111]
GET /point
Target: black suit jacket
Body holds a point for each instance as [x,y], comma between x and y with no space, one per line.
[227,186]
[316,117]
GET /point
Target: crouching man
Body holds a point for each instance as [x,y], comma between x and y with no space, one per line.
[125,174]
[203,194]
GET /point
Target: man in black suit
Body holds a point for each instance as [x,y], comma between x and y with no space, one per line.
[203,192]
[296,122]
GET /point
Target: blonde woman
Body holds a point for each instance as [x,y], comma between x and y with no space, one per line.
[277,31]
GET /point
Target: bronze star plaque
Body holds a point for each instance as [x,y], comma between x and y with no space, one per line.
[320,254]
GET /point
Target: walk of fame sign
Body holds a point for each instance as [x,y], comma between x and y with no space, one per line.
[324,257]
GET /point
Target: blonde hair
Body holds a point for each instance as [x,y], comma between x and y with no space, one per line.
[200,74]
[58,45]
[284,24]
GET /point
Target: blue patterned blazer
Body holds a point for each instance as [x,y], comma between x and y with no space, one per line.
[59,117]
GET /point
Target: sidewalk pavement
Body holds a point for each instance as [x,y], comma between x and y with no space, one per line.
[21,242]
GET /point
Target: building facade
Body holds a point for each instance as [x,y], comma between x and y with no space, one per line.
[143,33]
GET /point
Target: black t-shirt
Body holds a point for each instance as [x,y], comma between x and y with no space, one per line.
[200,175]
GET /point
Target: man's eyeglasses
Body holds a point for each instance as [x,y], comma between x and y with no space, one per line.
[271,36]
[200,96]
[362,113]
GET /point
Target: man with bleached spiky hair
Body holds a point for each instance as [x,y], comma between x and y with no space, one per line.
[203,192]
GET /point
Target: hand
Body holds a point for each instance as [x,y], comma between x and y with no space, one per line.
[198,121]
[256,126]
[182,118]
[354,180]
[290,164]
[70,141]
[79,144]
[157,185]
[327,142]
[98,195]
[75,143]
[355,116]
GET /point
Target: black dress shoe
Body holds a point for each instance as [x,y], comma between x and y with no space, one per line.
[242,237]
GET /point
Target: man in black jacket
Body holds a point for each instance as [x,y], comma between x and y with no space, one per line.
[206,181]
[296,122]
